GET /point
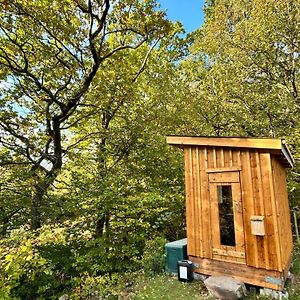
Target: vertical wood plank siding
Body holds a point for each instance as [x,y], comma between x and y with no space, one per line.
[283,212]
[189,201]
[205,204]
[258,206]
[248,208]
[270,212]
[262,194]
[197,206]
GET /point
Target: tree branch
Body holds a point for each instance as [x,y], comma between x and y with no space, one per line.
[142,67]
[49,32]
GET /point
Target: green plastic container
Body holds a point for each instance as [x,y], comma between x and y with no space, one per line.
[176,251]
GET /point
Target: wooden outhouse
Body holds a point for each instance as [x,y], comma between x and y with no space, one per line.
[237,210]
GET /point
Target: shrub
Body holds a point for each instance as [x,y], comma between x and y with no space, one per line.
[63,259]
[93,287]
[25,274]
[154,257]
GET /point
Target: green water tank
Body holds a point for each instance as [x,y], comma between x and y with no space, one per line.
[176,251]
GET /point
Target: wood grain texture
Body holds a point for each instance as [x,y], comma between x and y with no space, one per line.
[248,209]
[228,157]
[258,181]
[283,212]
[205,204]
[224,177]
[220,163]
[258,207]
[189,201]
[233,179]
[257,143]
[214,216]
[270,213]
[225,169]
[274,146]
[247,274]
[196,200]
[238,219]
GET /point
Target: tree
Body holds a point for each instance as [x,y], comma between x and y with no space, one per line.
[50,54]
[120,139]
[14,193]
[250,54]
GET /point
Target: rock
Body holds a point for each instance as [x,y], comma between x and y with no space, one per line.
[199,277]
[291,278]
[280,295]
[225,288]
[64,297]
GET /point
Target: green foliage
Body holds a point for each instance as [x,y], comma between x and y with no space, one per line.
[14,195]
[85,109]
[91,287]
[25,274]
[154,258]
[56,60]
[69,259]
[294,293]
[245,65]
[295,269]
[45,263]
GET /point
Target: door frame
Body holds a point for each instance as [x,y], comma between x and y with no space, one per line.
[235,253]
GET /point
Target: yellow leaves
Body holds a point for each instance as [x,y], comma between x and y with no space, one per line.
[238,25]
[53,235]
[9,257]
[24,248]
[29,257]
[252,50]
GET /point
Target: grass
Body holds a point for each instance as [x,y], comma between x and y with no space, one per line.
[169,288]
[294,285]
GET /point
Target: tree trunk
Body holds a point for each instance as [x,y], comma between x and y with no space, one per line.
[102,225]
[4,227]
[36,201]
[39,189]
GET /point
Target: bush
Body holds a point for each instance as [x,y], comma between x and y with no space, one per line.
[94,287]
[154,257]
[25,274]
[63,259]
[41,264]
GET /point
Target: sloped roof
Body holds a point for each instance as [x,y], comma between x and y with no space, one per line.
[275,146]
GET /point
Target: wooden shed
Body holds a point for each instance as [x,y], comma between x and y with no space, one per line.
[237,210]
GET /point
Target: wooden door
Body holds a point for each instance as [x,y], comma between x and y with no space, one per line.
[227,234]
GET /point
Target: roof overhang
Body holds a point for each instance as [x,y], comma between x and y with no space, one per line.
[274,146]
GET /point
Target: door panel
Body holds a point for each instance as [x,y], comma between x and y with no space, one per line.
[228,241]
[224,177]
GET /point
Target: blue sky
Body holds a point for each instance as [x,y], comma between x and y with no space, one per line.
[188,12]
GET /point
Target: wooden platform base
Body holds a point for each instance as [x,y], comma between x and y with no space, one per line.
[259,277]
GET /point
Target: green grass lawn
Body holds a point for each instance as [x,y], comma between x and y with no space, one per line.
[166,287]
[169,288]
